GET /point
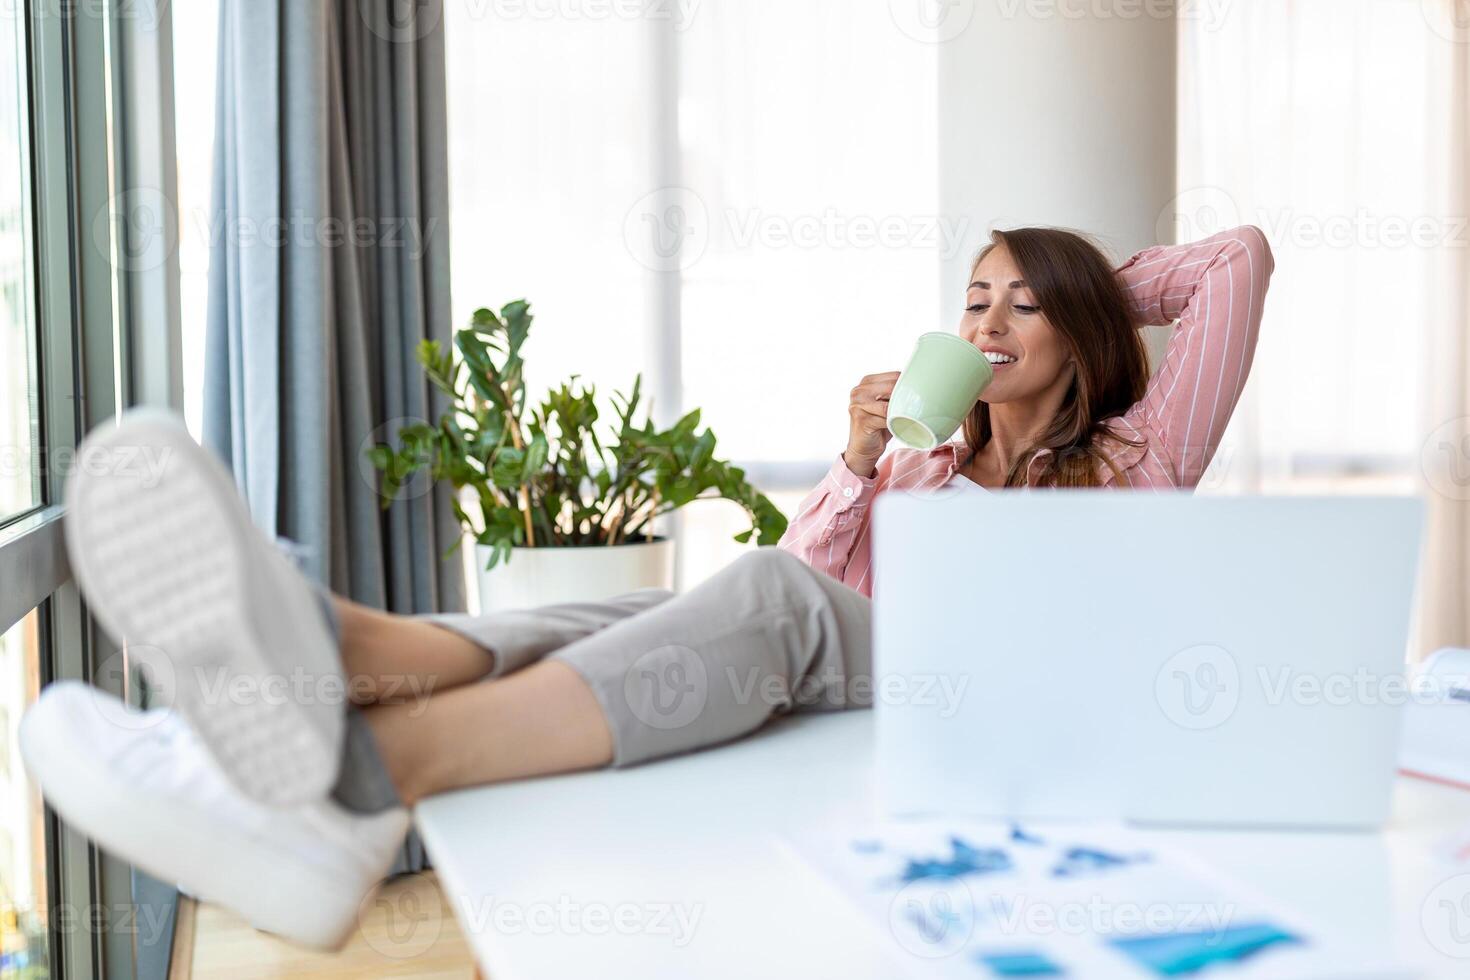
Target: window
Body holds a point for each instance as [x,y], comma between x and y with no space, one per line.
[78,341]
[550,148]
[24,944]
[668,207]
[23,887]
[822,261]
[810,238]
[19,474]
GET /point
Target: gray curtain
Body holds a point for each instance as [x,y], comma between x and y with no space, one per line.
[329,264]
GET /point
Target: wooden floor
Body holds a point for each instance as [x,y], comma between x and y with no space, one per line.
[407,931]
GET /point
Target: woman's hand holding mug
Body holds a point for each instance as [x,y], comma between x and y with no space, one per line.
[922,406]
[867,411]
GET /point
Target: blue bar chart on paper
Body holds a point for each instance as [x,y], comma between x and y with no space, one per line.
[991,901]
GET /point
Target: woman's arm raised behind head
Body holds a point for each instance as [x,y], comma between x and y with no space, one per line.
[1216,289]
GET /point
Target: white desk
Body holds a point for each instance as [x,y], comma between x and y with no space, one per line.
[702,833]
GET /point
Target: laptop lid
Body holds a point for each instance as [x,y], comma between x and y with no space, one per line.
[1155,657]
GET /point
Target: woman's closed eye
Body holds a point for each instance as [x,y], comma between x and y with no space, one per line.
[1026,308]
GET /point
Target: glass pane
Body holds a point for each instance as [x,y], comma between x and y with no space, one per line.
[195,27]
[19,474]
[810,240]
[23,950]
[543,184]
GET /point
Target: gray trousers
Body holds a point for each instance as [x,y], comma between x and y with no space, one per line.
[765,636]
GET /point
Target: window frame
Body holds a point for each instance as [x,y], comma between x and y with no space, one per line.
[99,118]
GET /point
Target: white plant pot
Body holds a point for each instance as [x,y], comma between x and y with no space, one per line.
[542,576]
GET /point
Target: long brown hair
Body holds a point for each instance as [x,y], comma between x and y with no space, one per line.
[1080,296]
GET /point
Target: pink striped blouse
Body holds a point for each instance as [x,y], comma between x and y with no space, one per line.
[1215,288]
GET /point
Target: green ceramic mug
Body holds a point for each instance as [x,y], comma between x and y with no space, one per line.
[934,394]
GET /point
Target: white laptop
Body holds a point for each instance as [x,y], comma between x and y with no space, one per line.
[1156,658]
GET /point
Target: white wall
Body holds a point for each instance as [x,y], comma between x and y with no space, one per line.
[1051,119]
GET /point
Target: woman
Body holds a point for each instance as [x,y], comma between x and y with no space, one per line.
[1071,404]
[262,793]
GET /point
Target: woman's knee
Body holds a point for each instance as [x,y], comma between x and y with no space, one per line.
[781,575]
[771,563]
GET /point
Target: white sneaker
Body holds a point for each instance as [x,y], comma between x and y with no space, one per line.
[233,635]
[142,786]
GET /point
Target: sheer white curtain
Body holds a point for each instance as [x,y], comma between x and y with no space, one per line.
[1326,122]
[548,123]
[1309,118]
[809,136]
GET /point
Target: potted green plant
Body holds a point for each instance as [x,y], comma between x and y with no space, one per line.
[559,510]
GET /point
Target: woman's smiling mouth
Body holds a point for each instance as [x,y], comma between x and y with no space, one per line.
[999,358]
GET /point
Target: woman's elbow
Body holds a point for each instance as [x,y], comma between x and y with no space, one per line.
[1252,241]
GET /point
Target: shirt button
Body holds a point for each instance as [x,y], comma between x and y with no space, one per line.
[847,491]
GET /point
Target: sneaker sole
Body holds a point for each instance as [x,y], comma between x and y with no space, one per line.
[170,562]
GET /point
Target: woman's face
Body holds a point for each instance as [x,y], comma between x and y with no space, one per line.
[1003,319]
